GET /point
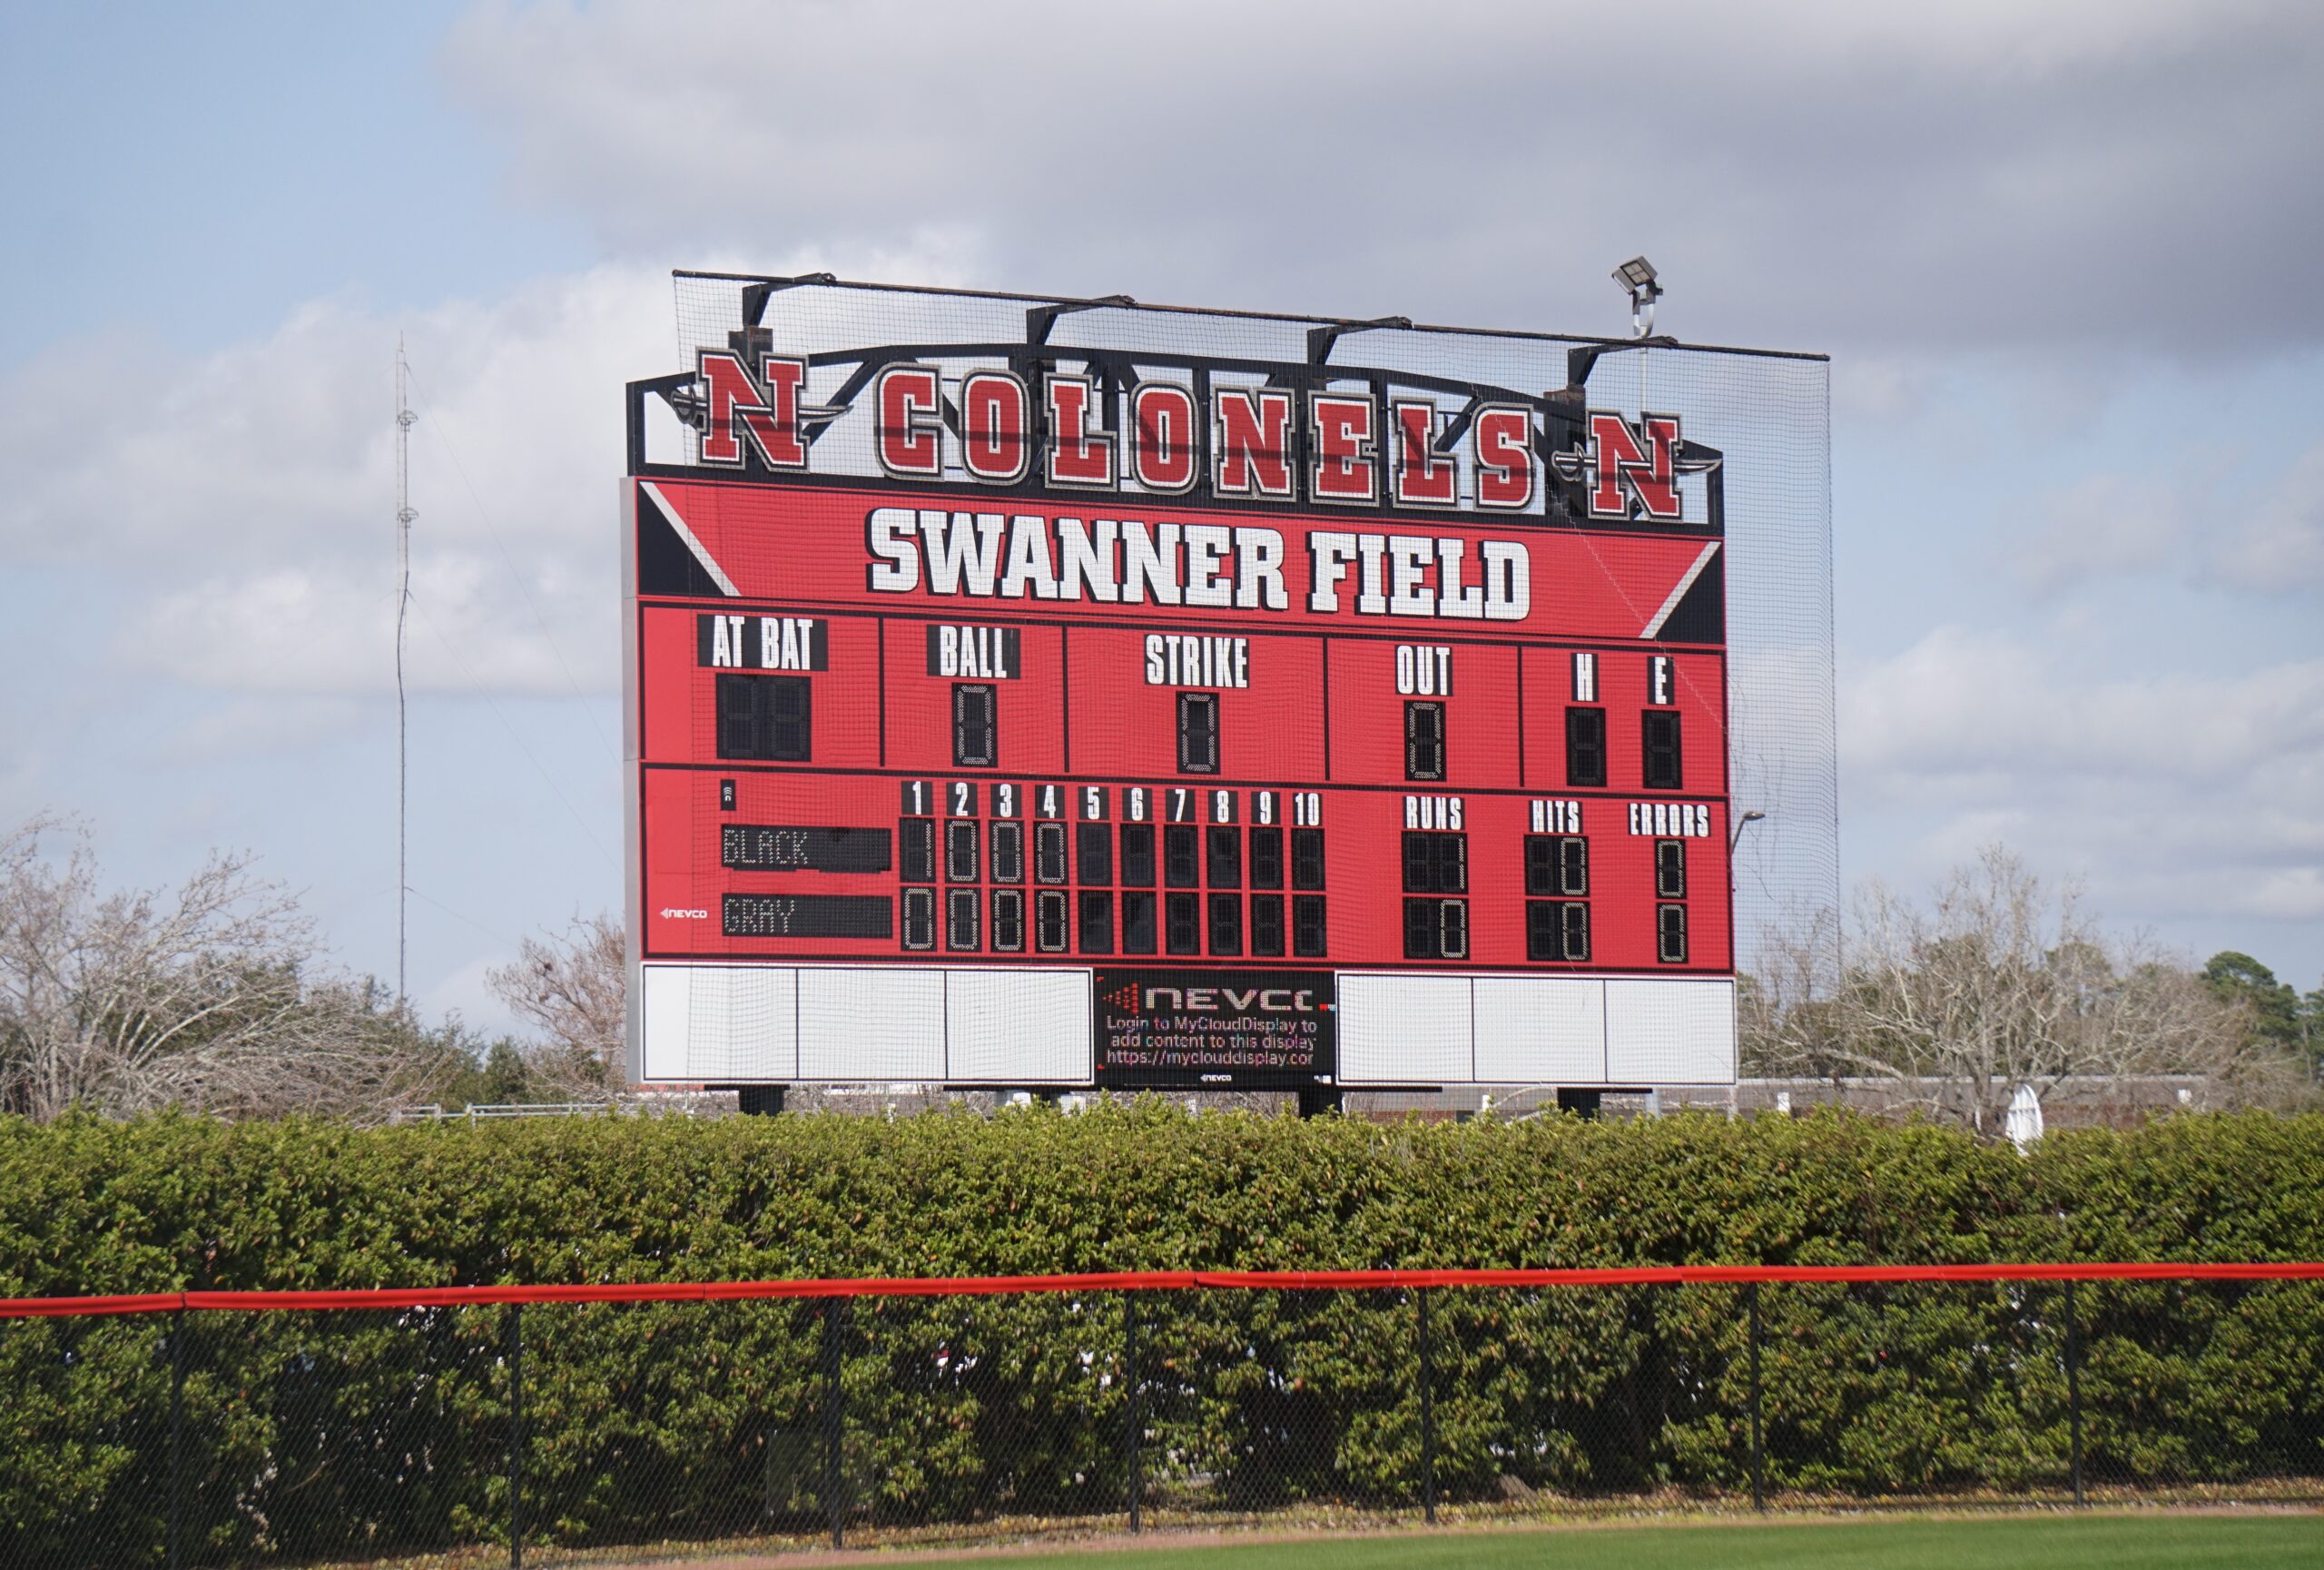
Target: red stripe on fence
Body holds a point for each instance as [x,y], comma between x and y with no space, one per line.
[1147,1281]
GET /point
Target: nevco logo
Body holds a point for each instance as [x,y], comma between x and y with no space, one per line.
[673,914]
[1227,999]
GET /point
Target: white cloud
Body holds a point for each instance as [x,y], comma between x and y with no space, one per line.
[244,512]
[2281,544]
[243,727]
[2174,796]
[241,509]
[2100,525]
[1949,175]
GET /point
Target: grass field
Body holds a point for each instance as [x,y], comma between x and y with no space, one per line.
[2126,1541]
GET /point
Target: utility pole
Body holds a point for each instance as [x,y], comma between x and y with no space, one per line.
[404,515]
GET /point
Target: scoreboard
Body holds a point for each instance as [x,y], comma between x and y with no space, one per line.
[1146,712]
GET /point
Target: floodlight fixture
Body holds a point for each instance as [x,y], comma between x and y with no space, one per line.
[1753,816]
[1637,276]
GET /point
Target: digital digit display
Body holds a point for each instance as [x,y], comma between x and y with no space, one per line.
[1277,754]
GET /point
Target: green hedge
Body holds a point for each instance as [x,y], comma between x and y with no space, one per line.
[311,1435]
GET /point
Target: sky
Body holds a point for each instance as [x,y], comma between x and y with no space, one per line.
[2056,254]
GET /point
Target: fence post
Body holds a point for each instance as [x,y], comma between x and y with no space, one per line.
[1759,1452]
[1427,1414]
[2073,1385]
[516,1437]
[1137,1434]
[177,1438]
[834,1328]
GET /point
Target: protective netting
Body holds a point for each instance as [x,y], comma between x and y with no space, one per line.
[1763,420]
[627,1432]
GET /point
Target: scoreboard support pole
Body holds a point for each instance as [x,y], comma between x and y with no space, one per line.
[757,1100]
[1316,1101]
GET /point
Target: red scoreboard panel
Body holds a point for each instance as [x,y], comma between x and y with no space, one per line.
[1295,726]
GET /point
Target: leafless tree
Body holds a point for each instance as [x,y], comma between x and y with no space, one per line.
[572,987]
[207,996]
[1998,982]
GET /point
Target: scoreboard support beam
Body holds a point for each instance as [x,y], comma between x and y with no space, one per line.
[1583,1104]
[758,1101]
[1317,1100]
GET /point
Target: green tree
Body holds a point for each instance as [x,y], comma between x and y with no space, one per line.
[2275,1008]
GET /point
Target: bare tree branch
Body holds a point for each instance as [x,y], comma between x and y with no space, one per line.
[1996,982]
[210,996]
[572,987]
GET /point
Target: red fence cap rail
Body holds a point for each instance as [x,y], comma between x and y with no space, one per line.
[376,1298]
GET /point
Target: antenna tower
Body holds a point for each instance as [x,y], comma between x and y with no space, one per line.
[404,515]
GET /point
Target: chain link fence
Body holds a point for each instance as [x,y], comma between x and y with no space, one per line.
[624,1425]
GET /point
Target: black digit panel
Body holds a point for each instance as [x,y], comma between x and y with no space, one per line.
[1573,864]
[920,918]
[916,839]
[1436,929]
[1198,733]
[1306,858]
[1182,917]
[1181,856]
[1223,847]
[1094,852]
[1557,864]
[1420,930]
[959,852]
[1671,934]
[975,725]
[1424,741]
[1670,869]
[1266,924]
[1007,921]
[1137,855]
[1048,852]
[1659,728]
[1137,923]
[1097,922]
[1435,862]
[1226,923]
[1585,747]
[1008,852]
[766,718]
[1556,930]
[1267,858]
[1308,936]
[1049,920]
[961,923]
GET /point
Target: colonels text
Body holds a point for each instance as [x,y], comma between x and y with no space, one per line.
[1333,447]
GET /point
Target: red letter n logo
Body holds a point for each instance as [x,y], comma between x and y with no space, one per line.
[761,411]
[1630,469]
